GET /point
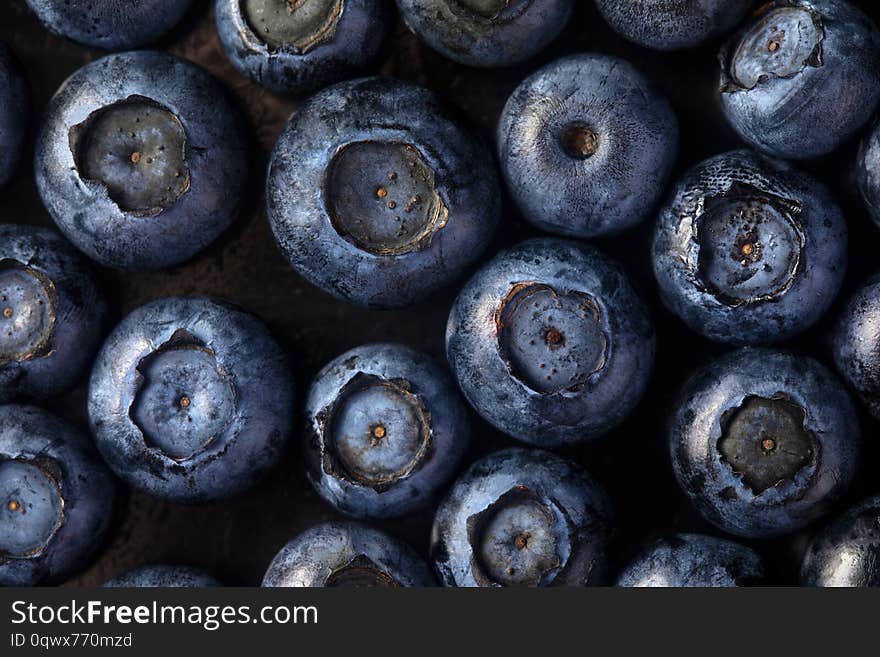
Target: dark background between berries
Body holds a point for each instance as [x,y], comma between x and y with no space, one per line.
[238,538]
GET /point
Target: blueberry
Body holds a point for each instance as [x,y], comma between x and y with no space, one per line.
[868,173]
[347,555]
[665,25]
[692,560]
[52,313]
[586,146]
[802,77]
[14,110]
[522,517]
[549,342]
[764,442]
[386,430]
[856,344]
[299,47]
[110,24]
[191,399]
[847,552]
[162,576]
[376,196]
[141,161]
[487,33]
[56,498]
[749,250]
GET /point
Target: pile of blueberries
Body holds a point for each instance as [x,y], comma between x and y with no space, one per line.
[381,195]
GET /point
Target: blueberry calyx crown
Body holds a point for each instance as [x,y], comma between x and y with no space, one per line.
[750,245]
[375,432]
[137,149]
[580,141]
[297,25]
[765,441]
[786,39]
[31,506]
[360,572]
[552,341]
[494,11]
[185,401]
[382,197]
[520,539]
[28,312]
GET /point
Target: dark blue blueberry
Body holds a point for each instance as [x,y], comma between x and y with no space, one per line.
[297,47]
[110,24]
[376,196]
[347,555]
[386,430]
[856,344]
[764,442]
[550,343]
[141,161]
[56,498]
[868,173]
[522,517]
[802,77]
[665,25]
[586,146]
[749,250]
[847,552]
[162,576]
[487,33]
[52,313]
[14,110]
[692,560]
[191,399]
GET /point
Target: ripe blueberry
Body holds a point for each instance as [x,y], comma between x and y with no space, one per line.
[487,33]
[14,109]
[693,560]
[347,555]
[386,430]
[522,517]
[190,399]
[847,552]
[376,196]
[549,342]
[749,250]
[764,442]
[856,344]
[141,162]
[802,77]
[297,47]
[868,173]
[586,146]
[52,313]
[162,576]
[56,498]
[110,24]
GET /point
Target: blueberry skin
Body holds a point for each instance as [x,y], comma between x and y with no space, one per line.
[801,236]
[487,34]
[66,294]
[596,159]
[854,344]
[846,553]
[361,131]
[744,490]
[502,495]
[85,487]
[191,430]
[110,24]
[407,405]
[215,158]
[14,111]
[162,576]
[868,173]
[355,41]
[607,353]
[347,554]
[693,560]
[802,99]
[664,25]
